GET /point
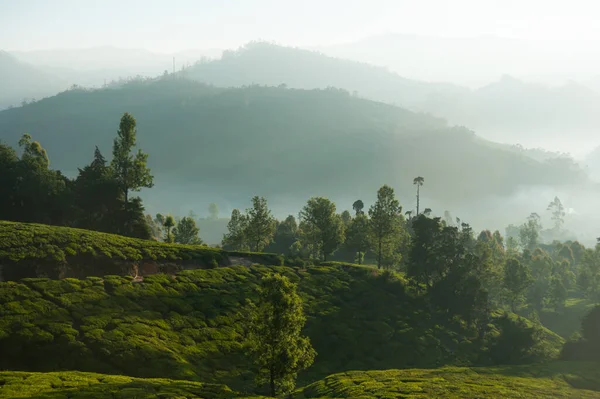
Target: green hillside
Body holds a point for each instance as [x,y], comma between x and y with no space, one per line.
[207,144]
[503,110]
[553,380]
[36,250]
[77,385]
[191,326]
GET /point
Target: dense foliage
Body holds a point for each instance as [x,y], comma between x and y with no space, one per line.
[97,199]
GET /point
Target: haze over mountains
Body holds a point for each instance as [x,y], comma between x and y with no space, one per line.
[196,120]
[505,108]
[475,61]
[36,74]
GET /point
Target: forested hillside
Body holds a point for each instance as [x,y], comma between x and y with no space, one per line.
[502,109]
[207,142]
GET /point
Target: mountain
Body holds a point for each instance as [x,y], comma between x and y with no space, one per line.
[474,61]
[565,117]
[209,144]
[508,110]
[20,81]
[98,65]
[269,64]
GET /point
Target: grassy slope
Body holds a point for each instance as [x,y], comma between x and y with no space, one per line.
[567,321]
[554,380]
[53,245]
[78,385]
[189,326]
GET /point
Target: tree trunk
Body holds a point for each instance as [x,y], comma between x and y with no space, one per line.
[379,255]
[272,383]
[417,199]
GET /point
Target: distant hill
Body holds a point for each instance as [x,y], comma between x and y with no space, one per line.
[21,81]
[474,61]
[208,144]
[269,64]
[98,65]
[515,111]
[509,110]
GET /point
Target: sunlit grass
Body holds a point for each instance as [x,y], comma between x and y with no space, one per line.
[554,380]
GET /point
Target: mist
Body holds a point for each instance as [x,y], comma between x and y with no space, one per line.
[517,83]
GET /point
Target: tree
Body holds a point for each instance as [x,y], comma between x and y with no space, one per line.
[418,181]
[261,224]
[168,225]
[558,213]
[530,231]
[97,197]
[274,337]
[286,234]
[357,237]
[322,226]
[385,222]
[516,281]
[445,259]
[155,228]
[213,211]
[358,207]
[590,326]
[540,265]
[33,151]
[235,238]
[129,170]
[512,246]
[558,293]
[186,232]
[38,194]
[346,218]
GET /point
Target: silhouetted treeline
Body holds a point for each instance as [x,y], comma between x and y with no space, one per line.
[98,199]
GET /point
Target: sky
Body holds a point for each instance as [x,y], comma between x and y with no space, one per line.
[177,25]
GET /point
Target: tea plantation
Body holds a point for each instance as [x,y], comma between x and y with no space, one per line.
[553,380]
[36,250]
[181,335]
[190,326]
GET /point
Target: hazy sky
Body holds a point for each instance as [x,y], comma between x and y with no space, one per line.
[174,25]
